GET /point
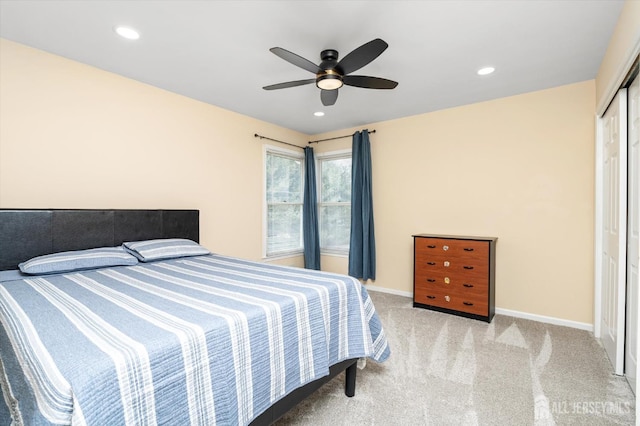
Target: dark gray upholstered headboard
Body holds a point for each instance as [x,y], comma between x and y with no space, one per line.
[28,233]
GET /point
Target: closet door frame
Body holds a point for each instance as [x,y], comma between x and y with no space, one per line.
[633,231]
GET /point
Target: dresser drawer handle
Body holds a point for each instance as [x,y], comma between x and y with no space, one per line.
[431,263]
[468,267]
[431,297]
[431,280]
[431,246]
[468,249]
[467,285]
[467,303]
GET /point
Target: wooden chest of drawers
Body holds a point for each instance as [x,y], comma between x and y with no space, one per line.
[455,274]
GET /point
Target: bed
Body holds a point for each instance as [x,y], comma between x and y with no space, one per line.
[176,335]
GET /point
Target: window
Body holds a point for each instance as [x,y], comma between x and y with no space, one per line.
[284,196]
[334,201]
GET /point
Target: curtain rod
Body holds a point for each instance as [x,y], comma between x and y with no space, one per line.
[276,140]
[337,137]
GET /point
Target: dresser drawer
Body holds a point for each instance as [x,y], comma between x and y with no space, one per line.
[470,303]
[479,286]
[456,271]
[450,262]
[446,247]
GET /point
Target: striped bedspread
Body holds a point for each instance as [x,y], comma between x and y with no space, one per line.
[202,340]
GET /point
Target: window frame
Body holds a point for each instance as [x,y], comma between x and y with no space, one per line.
[331,155]
[275,150]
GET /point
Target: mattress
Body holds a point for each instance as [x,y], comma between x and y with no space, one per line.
[201,340]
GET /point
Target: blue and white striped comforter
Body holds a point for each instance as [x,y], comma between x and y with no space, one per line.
[200,340]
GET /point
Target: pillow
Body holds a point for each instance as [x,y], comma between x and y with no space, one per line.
[150,250]
[68,261]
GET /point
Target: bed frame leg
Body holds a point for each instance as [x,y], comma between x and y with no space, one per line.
[350,380]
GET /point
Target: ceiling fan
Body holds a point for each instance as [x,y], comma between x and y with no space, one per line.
[332,75]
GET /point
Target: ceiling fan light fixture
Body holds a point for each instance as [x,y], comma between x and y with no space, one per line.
[329,81]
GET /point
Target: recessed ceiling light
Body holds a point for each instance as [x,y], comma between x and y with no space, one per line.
[128,33]
[318,113]
[486,70]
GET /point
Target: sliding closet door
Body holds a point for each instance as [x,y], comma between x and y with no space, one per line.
[614,229]
[633,229]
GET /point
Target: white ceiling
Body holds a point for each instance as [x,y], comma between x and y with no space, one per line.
[218,51]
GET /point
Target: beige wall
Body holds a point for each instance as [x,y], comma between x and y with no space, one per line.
[518,168]
[623,48]
[73,136]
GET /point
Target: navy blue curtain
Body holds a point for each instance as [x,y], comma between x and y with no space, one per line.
[310,234]
[362,248]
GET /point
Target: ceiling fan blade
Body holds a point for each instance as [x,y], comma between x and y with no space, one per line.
[329,97]
[368,82]
[296,60]
[361,56]
[289,84]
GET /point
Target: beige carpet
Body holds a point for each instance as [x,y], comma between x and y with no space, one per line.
[447,370]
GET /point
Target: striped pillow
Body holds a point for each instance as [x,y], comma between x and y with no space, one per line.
[69,261]
[151,250]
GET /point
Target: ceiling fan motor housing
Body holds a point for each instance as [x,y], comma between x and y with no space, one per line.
[329,56]
[330,78]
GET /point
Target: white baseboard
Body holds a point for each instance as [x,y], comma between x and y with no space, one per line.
[549,320]
[500,311]
[389,291]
